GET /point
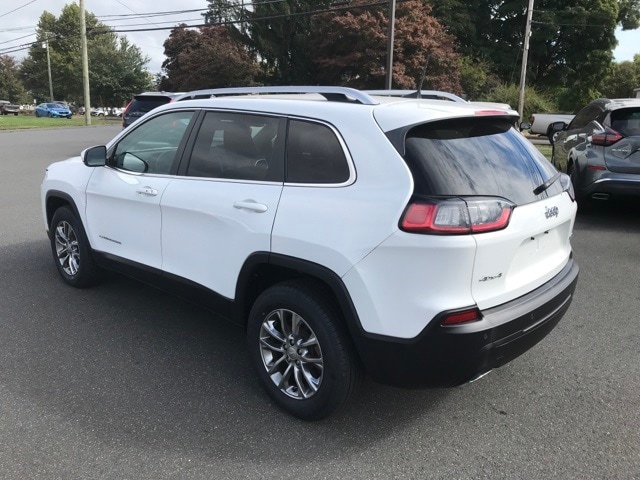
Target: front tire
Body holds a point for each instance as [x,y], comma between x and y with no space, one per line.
[301,351]
[71,251]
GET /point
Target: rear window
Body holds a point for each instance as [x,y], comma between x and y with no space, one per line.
[144,105]
[626,121]
[476,157]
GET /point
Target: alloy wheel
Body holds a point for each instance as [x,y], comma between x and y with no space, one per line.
[67,249]
[291,354]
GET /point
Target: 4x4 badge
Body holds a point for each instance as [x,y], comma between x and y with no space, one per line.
[551,212]
[490,277]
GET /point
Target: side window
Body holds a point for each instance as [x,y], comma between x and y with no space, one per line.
[152,146]
[314,154]
[236,146]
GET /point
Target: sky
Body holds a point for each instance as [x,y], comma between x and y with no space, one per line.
[18,19]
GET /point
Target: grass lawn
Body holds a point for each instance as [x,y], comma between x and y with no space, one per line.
[13,122]
[545,150]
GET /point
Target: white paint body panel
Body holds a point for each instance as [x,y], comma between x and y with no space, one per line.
[408,279]
[527,254]
[123,221]
[206,238]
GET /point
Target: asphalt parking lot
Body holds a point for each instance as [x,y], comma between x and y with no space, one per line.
[124,382]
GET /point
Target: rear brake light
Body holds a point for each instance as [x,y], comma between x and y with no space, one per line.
[456,216]
[606,138]
[465,316]
[491,112]
[596,167]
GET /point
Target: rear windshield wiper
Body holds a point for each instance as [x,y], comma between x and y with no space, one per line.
[550,181]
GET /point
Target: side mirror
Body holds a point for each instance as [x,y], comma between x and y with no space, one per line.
[557,127]
[525,126]
[94,156]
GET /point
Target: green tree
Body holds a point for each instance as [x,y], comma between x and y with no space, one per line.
[623,79]
[116,67]
[278,32]
[571,42]
[228,63]
[11,87]
[351,49]
[477,78]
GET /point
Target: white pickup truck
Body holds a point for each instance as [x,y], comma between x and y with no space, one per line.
[540,122]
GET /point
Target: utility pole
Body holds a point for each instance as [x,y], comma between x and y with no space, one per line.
[46,41]
[390,34]
[525,58]
[85,65]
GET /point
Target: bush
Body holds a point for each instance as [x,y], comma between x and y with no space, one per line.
[534,100]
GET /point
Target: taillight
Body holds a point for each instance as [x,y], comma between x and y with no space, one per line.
[606,138]
[567,185]
[125,111]
[456,216]
[464,316]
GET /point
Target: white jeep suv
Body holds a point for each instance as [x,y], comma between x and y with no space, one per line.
[425,242]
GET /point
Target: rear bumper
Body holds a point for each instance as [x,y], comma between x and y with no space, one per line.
[623,184]
[453,355]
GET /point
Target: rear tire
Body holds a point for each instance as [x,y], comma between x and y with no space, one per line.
[585,204]
[71,251]
[301,351]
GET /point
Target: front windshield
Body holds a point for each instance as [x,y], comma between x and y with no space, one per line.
[53,105]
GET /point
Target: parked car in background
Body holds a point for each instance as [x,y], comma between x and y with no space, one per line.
[52,109]
[72,108]
[539,123]
[600,149]
[6,108]
[424,240]
[143,103]
[98,112]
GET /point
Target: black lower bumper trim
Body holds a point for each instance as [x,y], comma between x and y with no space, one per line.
[453,355]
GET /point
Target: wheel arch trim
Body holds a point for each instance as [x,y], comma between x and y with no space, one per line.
[305,268]
[68,199]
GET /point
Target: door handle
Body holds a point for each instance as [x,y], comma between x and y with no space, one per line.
[152,192]
[251,205]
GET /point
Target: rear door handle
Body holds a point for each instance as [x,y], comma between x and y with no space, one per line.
[251,205]
[152,192]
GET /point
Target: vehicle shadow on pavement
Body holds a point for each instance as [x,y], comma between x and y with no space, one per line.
[611,215]
[128,364]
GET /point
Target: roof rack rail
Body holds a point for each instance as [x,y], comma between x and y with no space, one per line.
[426,94]
[334,94]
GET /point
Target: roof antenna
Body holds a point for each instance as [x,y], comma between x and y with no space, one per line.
[424,74]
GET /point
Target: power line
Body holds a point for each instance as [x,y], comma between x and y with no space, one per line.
[16,9]
[108,29]
[270,17]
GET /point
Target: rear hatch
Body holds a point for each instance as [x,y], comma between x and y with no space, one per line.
[142,104]
[623,155]
[517,204]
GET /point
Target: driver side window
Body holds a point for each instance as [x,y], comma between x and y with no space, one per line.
[152,146]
